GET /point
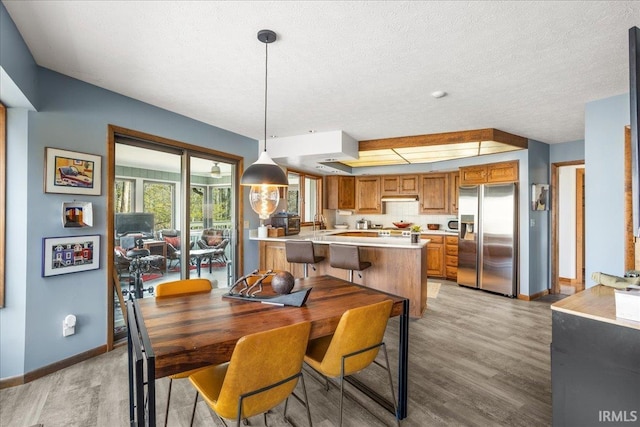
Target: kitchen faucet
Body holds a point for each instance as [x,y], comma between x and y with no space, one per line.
[320,219]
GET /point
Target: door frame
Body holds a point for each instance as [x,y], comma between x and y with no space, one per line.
[112,130]
[629,240]
[555,277]
[579,229]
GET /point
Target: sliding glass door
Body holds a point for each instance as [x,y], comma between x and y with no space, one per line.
[174,217]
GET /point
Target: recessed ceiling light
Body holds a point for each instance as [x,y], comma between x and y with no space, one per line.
[438,94]
[273,136]
[312,131]
[330,160]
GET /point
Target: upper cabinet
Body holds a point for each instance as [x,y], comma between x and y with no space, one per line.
[399,185]
[368,195]
[491,173]
[340,192]
[454,190]
[434,193]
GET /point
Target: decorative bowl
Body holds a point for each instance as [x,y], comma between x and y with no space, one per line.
[433,226]
[402,224]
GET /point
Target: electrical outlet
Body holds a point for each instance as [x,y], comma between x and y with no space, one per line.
[533,222]
[68,330]
[246,224]
[69,325]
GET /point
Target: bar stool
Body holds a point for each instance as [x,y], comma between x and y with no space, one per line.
[347,257]
[301,252]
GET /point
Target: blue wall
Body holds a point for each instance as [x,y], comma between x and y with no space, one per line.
[605,120]
[566,152]
[13,322]
[71,115]
[16,60]
[538,221]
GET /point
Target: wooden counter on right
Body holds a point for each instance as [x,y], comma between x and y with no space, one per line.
[595,361]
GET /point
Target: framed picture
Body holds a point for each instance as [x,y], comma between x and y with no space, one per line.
[70,172]
[77,214]
[540,197]
[71,254]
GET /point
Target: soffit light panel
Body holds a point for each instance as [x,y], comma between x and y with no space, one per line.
[436,147]
[376,158]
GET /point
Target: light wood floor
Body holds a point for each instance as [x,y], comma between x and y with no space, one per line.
[476,359]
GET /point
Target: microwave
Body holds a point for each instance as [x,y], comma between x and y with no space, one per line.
[289,221]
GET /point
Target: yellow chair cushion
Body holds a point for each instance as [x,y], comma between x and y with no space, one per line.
[185,374]
[259,360]
[358,328]
[208,381]
[182,287]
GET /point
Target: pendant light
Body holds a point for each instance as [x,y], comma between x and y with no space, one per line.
[215,171]
[264,176]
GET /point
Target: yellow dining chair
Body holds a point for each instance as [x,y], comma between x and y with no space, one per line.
[353,346]
[177,288]
[262,373]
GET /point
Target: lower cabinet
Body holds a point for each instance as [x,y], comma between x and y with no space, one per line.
[273,256]
[594,370]
[451,257]
[435,255]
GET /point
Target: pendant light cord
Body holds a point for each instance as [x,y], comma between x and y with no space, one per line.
[266,71]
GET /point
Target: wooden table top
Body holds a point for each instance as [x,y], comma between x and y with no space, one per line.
[188,332]
[596,303]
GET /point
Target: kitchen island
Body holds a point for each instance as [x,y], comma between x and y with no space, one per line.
[397,266]
[595,375]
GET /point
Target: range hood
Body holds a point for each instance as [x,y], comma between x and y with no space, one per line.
[322,151]
[399,198]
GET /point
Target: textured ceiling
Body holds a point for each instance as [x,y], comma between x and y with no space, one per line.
[367,68]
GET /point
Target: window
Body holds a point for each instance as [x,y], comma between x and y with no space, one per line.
[221,205]
[125,190]
[173,181]
[304,195]
[159,199]
[197,205]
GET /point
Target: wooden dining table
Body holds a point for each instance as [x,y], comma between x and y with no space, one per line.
[175,334]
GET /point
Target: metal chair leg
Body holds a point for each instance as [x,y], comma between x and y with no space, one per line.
[166,413]
[306,400]
[193,413]
[341,397]
[393,394]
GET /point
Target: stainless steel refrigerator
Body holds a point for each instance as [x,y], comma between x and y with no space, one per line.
[488,243]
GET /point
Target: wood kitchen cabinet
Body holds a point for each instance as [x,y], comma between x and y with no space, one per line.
[273,256]
[502,172]
[434,193]
[454,190]
[451,257]
[368,195]
[435,255]
[399,185]
[490,173]
[340,192]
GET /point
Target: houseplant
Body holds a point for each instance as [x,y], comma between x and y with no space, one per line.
[415,233]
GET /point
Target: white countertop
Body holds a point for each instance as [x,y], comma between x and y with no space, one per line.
[329,236]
